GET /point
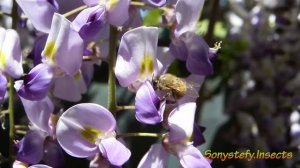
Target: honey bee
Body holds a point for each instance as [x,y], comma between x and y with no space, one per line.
[174,87]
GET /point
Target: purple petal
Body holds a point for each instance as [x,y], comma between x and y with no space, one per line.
[80,126]
[3,86]
[116,153]
[156,157]
[164,57]
[91,2]
[38,47]
[198,137]
[157,3]
[187,15]
[53,154]
[89,22]
[136,59]
[118,13]
[149,109]
[31,147]
[36,83]
[42,14]
[68,88]
[64,46]
[38,112]
[178,49]
[179,130]
[11,55]
[191,157]
[198,54]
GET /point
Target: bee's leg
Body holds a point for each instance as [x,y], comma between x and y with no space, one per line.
[171,101]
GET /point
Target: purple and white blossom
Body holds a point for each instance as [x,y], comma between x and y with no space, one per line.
[87,129]
[176,142]
[36,83]
[11,55]
[149,107]
[137,57]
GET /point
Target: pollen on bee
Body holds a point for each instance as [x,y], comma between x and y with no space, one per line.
[91,134]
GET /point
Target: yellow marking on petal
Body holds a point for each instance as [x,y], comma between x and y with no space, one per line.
[112,3]
[77,75]
[147,65]
[50,51]
[91,134]
[2,60]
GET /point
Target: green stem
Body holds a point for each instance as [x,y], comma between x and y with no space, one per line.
[11,118]
[14,14]
[119,108]
[112,104]
[141,134]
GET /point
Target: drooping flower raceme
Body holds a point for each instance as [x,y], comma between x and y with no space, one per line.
[87,129]
[137,61]
[177,142]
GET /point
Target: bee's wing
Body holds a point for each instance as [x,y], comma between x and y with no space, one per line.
[192,89]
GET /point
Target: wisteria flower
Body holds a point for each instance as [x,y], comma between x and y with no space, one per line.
[64,47]
[39,112]
[177,142]
[35,147]
[194,50]
[10,55]
[187,14]
[136,61]
[36,83]
[116,10]
[87,129]
[89,22]
[149,107]
[42,14]
[150,104]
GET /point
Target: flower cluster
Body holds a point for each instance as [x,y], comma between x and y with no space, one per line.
[60,66]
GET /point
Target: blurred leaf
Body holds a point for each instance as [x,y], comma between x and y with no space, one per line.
[152,18]
[220,30]
[201,27]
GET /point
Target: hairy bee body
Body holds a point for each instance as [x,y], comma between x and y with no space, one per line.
[174,87]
